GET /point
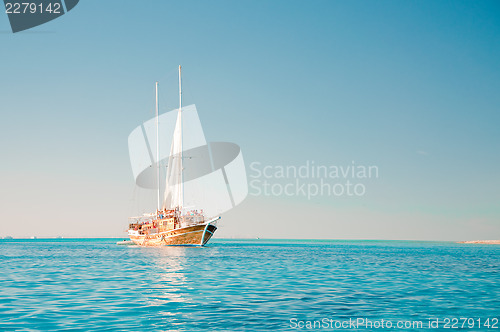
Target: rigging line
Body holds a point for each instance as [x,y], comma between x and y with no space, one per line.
[186,91]
[169,77]
[167,74]
[133,199]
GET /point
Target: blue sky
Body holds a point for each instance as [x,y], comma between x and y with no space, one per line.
[409,86]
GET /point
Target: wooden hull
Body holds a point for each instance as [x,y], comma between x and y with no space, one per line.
[197,235]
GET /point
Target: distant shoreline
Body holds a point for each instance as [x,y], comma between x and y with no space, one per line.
[481,242]
[60,238]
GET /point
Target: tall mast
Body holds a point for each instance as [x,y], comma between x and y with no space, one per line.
[157,148]
[181,193]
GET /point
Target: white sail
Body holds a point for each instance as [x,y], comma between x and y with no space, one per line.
[204,173]
[173,197]
[142,144]
[200,177]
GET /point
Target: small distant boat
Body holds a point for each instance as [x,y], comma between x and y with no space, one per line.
[172,224]
[125,243]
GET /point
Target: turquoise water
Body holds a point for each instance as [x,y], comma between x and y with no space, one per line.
[247,285]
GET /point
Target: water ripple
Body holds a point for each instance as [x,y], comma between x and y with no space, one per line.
[94,285]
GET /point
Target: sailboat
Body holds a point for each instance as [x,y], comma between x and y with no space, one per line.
[172,224]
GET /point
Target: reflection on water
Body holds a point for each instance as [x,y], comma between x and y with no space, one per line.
[95,285]
[172,283]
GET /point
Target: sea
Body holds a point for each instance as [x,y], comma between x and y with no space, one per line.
[248,285]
